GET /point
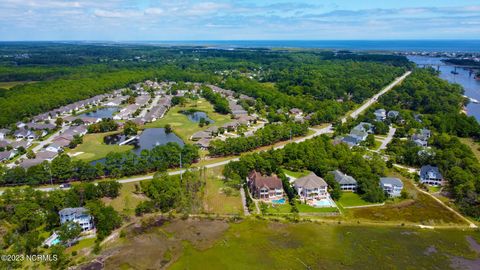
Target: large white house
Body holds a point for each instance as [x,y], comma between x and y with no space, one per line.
[311,187]
[79,215]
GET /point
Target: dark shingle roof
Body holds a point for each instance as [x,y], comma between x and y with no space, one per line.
[342,178]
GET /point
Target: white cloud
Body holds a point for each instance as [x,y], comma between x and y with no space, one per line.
[116,13]
[154,11]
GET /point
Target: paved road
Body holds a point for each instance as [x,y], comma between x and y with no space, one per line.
[374,99]
[317,132]
[391,133]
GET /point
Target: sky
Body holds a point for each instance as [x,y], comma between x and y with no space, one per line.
[129,20]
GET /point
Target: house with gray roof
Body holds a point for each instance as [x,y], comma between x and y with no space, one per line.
[393,114]
[380,114]
[6,155]
[392,186]
[78,215]
[201,135]
[347,182]
[311,187]
[430,175]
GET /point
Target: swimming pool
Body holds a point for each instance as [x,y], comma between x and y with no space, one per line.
[279,201]
[323,203]
[55,241]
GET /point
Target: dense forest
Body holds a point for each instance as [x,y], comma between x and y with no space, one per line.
[320,156]
[309,80]
[115,165]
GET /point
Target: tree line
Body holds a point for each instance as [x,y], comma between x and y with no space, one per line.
[267,135]
[220,103]
[115,165]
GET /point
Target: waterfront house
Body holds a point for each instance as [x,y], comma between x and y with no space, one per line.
[392,186]
[430,175]
[264,187]
[79,215]
[311,187]
[346,182]
[380,115]
[201,135]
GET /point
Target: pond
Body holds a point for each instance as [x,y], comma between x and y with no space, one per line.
[148,139]
[106,112]
[195,116]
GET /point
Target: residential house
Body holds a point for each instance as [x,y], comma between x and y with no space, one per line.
[421,137]
[22,133]
[27,163]
[6,155]
[264,186]
[4,144]
[203,143]
[18,144]
[79,215]
[392,186]
[380,114]
[311,187]
[393,114]
[365,127]
[54,148]
[46,155]
[3,133]
[347,182]
[62,141]
[201,135]
[430,175]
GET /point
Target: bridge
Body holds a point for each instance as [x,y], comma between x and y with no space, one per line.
[129,140]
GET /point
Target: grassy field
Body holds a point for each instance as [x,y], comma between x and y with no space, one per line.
[296,174]
[302,208]
[93,147]
[126,202]
[474,146]
[419,208]
[254,244]
[8,85]
[349,199]
[185,128]
[215,198]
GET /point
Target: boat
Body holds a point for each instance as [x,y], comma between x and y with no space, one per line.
[454,72]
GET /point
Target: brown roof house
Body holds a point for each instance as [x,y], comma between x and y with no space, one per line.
[265,187]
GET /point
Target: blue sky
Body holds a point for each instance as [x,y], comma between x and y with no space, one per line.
[227,20]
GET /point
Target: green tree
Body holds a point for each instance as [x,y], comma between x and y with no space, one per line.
[68,232]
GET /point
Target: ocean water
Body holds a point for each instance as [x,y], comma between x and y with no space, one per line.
[369,45]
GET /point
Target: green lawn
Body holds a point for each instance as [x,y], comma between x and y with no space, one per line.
[302,208]
[351,199]
[215,198]
[127,200]
[255,244]
[433,189]
[185,128]
[93,147]
[296,174]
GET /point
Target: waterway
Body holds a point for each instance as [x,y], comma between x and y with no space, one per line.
[464,77]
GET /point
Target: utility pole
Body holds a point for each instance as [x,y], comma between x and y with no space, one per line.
[290,134]
[180,166]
